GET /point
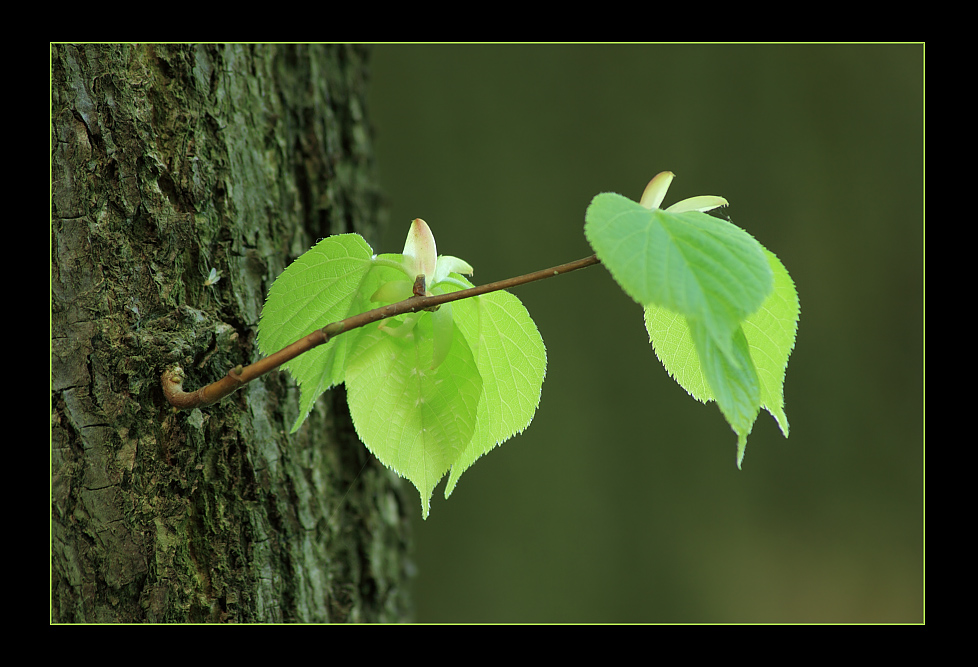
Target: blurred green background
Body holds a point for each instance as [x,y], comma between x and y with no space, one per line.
[622,501]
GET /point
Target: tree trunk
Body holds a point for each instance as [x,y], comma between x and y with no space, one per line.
[167,162]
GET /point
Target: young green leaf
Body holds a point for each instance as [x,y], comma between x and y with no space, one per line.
[415,419]
[512,361]
[692,263]
[321,286]
[733,380]
[770,334]
[428,391]
[720,309]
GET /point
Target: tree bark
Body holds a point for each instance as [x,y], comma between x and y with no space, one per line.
[167,162]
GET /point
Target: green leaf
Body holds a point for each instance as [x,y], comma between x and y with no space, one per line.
[415,383]
[691,263]
[512,361]
[321,286]
[771,332]
[770,336]
[733,380]
[720,309]
[415,419]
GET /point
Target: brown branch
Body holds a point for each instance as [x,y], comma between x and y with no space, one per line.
[239,376]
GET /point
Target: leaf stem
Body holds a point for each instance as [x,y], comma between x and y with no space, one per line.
[240,375]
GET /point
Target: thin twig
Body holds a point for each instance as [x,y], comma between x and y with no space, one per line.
[239,376]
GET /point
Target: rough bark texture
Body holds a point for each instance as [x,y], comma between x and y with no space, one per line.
[168,161]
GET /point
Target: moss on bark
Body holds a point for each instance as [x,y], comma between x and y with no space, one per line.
[168,161]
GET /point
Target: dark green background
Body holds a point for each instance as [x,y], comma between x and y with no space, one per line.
[622,500]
